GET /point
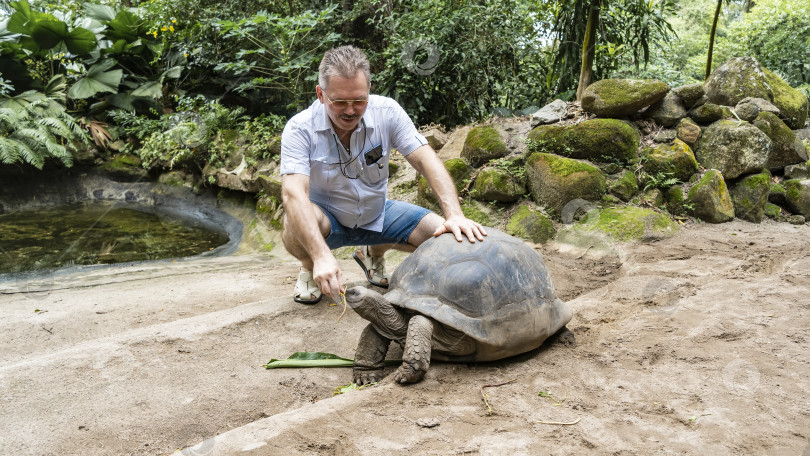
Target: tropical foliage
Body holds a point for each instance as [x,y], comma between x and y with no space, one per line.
[145,70]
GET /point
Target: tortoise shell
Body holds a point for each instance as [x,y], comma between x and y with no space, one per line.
[498,292]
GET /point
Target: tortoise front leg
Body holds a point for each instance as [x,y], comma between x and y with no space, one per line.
[369,358]
[418,346]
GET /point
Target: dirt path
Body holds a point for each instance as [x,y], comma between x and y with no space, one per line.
[695,344]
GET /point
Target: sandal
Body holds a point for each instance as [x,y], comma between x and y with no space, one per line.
[371,263]
[306,286]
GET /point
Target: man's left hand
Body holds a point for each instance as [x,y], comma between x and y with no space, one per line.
[458,225]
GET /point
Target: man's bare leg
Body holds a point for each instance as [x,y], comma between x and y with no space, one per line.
[291,239]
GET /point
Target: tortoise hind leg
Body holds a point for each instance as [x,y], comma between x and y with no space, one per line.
[418,346]
[369,358]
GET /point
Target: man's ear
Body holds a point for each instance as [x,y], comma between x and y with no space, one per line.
[319,92]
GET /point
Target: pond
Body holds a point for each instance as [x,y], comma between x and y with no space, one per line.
[98,233]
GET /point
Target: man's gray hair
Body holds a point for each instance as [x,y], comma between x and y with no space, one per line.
[344,62]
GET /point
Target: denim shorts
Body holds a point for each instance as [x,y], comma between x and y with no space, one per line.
[399,222]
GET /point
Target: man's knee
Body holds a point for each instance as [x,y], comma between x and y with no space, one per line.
[424,229]
[289,233]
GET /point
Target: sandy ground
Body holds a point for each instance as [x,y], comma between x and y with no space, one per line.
[696,344]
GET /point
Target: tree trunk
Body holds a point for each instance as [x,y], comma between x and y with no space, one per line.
[711,39]
[589,48]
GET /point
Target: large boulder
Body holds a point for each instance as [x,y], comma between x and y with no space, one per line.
[798,196]
[531,224]
[622,97]
[710,200]
[596,140]
[736,79]
[483,144]
[668,111]
[791,103]
[624,224]
[787,148]
[743,77]
[554,181]
[733,148]
[675,159]
[750,195]
[496,184]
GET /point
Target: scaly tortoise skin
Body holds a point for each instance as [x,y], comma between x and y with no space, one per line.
[458,301]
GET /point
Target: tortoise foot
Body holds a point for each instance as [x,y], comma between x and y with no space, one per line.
[365,376]
[408,374]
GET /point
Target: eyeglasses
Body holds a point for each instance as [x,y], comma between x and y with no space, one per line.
[342,104]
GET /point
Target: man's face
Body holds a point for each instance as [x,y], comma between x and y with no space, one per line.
[344,116]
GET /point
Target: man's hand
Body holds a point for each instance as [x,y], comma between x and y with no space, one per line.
[460,224]
[326,273]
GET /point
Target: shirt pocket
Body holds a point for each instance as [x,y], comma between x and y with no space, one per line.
[376,172]
[323,171]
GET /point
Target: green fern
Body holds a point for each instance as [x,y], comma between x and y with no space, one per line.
[35,126]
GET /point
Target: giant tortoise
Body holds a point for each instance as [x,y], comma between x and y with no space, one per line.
[458,301]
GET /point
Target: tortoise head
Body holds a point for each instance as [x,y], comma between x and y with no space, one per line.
[388,320]
[363,300]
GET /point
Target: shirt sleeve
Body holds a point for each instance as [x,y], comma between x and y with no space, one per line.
[295,146]
[404,136]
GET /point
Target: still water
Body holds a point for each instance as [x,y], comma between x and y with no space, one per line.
[97,234]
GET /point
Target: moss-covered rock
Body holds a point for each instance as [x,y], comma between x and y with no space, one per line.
[496,184]
[743,77]
[622,97]
[797,196]
[777,194]
[749,195]
[629,223]
[124,168]
[688,131]
[787,148]
[483,144]
[555,180]
[668,111]
[675,159]
[674,200]
[710,199]
[270,210]
[179,178]
[653,197]
[690,94]
[791,102]
[736,79]
[595,140]
[733,148]
[772,211]
[476,211]
[531,224]
[625,187]
[459,172]
[709,112]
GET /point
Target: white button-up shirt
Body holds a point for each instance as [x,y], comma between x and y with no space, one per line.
[310,146]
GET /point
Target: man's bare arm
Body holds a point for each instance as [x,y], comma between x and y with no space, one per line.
[303,232]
